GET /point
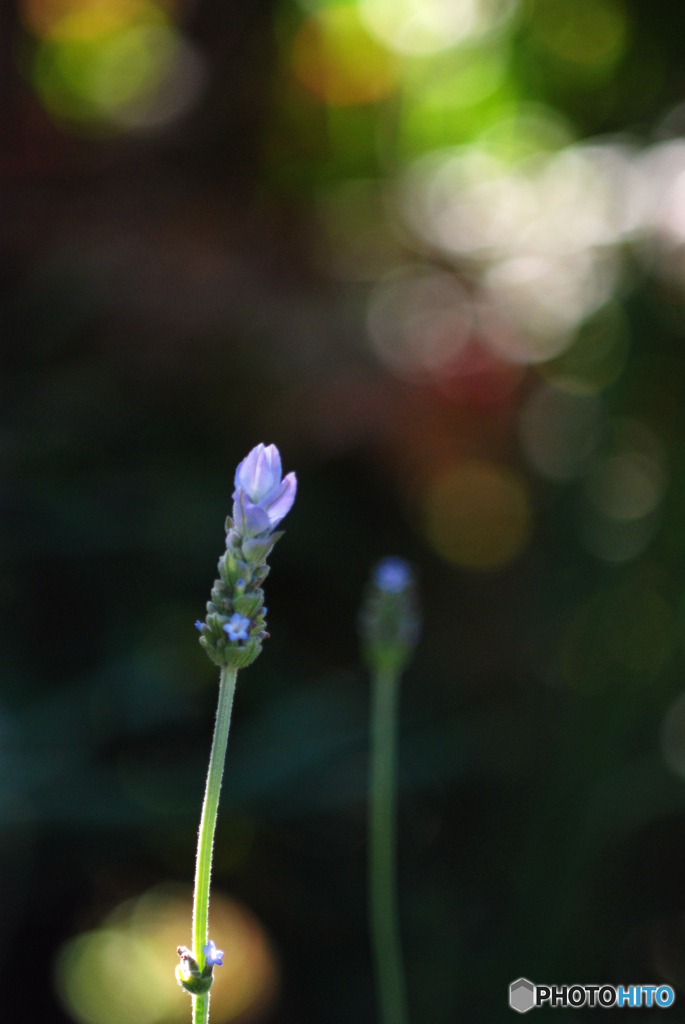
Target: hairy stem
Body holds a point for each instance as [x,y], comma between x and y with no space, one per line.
[205,843]
[383,913]
[201,1008]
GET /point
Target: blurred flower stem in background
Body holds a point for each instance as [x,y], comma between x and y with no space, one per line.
[232,635]
[389,626]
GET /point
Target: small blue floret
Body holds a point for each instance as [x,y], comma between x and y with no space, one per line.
[213,956]
[237,627]
[198,624]
[392,575]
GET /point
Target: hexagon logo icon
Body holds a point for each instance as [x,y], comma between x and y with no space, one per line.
[522,995]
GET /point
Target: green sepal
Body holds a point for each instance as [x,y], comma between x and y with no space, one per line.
[220,598]
[247,604]
[216,622]
[256,551]
[211,651]
[242,568]
[195,983]
[236,654]
[232,569]
[260,574]
[189,976]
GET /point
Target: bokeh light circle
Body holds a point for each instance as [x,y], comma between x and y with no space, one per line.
[128,63]
[626,627]
[673,736]
[559,432]
[114,62]
[547,298]
[421,27]
[638,629]
[478,514]
[335,58]
[109,977]
[628,479]
[624,486]
[123,972]
[174,95]
[615,540]
[419,318]
[539,221]
[591,34]
[597,356]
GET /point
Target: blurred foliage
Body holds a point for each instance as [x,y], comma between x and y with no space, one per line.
[186,272]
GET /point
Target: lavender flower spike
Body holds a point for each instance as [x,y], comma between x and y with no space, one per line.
[261,497]
[234,627]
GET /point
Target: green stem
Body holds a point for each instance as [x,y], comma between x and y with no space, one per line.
[201,1009]
[205,844]
[383,913]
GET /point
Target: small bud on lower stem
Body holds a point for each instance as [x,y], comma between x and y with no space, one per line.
[189,975]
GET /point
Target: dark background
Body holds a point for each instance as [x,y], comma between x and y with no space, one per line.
[163,309]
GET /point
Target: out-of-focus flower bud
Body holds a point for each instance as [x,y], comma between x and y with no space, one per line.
[393,575]
[389,620]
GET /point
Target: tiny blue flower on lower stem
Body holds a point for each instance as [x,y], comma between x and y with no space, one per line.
[198,624]
[213,956]
[237,627]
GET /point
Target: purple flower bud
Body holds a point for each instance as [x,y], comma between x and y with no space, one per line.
[237,627]
[213,956]
[261,498]
[392,575]
[250,520]
[260,472]
[278,502]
